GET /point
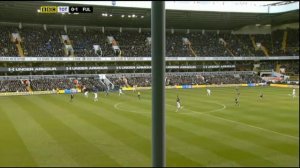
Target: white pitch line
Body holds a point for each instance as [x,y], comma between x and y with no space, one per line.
[241,123]
[220,109]
[264,129]
[221,118]
[118,108]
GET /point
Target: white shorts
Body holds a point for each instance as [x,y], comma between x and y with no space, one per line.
[178,105]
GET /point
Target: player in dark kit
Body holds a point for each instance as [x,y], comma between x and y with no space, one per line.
[261,96]
[237,103]
[72,97]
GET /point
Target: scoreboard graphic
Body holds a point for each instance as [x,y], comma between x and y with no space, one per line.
[66,9]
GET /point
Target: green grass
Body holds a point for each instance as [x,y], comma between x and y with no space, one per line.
[48,130]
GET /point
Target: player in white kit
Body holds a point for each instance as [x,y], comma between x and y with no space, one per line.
[294,93]
[120,92]
[178,104]
[208,92]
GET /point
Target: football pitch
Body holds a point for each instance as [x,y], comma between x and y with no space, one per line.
[49,130]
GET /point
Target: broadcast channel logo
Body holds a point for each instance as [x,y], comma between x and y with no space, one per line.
[48,9]
[66,9]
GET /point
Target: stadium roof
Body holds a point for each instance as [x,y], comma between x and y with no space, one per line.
[26,12]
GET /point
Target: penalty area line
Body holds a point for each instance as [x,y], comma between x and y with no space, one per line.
[241,123]
[116,106]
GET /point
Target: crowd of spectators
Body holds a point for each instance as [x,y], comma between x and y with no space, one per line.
[82,42]
[213,79]
[239,45]
[7,47]
[267,66]
[61,84]
[207,44]
[133,44]
[293,42]
[51,84]
[91,83]
[172,80]
[131,81]
[12,86]
[277,37]
[142,81]
[291,68]
[41,43]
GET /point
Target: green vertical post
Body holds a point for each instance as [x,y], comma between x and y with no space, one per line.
[158,45]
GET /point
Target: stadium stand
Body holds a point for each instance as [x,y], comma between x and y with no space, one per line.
[37,42]
[179,79]
[12,86]
[141,81]
[7,47]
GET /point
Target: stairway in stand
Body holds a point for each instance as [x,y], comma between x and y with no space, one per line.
[253,42]
[283,44]
[191,49]
[224,44]
[227,49]
[259,47]
[188,44]
[20,50]
[265,50]
[28,88]
[17,40]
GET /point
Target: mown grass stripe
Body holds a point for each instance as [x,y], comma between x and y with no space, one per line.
[101,118]
[268,150]
[231,139]
[221,117]
[167,100]
[192,151]
[285,154]
[193,139]
[13,150]
[113,147]
[176,146]
[84,153]
[245,124]
[135,128]
[42,147]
